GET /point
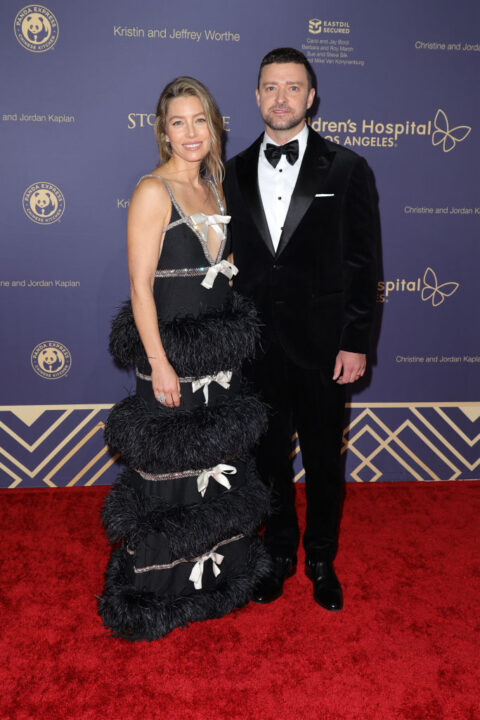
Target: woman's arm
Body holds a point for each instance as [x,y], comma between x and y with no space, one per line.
[148,215]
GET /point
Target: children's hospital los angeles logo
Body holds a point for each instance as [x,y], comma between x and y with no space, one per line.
[427,287]
[36,28]
[43,203]
[371,132]
[51,360]
[444,135]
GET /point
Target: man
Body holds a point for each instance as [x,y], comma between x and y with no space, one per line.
[305,231]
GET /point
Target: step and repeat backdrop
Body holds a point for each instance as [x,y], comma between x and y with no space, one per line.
[398,83]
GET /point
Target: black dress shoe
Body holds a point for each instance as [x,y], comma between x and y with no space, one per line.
[271,587]
[327,590]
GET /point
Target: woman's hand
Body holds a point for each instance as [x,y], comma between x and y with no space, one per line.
[165,383]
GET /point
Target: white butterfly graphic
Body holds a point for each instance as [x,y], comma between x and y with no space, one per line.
[445,135]
[435,292]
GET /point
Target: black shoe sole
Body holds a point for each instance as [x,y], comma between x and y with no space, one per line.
[328,609]
[271,598]
[310,575]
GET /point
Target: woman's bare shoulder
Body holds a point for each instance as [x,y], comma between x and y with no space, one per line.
[151,187]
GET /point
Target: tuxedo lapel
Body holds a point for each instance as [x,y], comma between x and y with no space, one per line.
[315,167]
[247,173]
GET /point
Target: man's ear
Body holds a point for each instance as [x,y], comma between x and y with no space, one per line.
[311,98]
[257,95]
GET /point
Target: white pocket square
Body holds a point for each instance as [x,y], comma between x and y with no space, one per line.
[325,195]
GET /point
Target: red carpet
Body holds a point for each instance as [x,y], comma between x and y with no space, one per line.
[404,646]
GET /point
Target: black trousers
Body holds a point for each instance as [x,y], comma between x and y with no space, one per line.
[311,403]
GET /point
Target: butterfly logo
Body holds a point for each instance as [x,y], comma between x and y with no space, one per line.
[435,292]
[445,135]
[314,26]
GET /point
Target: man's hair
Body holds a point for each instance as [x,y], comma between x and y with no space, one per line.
[288,55]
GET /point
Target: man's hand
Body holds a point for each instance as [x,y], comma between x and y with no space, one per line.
[349,367]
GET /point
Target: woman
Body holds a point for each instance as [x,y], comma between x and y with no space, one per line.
[188,504]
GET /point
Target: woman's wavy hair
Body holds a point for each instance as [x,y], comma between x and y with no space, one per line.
[212,165]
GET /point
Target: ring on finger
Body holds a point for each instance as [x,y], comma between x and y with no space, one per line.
[160,397]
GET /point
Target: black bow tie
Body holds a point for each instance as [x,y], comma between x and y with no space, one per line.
[273,153]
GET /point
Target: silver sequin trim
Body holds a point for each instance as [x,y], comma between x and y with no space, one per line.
[171,476]
[181,272]
[182,379]
[175,223]
[182,560]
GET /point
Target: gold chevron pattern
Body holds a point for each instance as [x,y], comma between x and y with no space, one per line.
[53,445]
[410,441]
[62,445]
[422,441]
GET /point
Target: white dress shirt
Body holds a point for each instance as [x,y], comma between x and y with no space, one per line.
[276,184]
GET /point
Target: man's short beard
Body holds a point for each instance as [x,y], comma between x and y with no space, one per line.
[290,125]
[291,122]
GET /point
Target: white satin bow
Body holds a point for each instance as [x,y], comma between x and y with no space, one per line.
[224,267]
[197,570]
[223,378]
[202,222]
[217,473]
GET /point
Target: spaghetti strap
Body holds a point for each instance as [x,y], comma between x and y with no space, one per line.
[148,175]
[220,204]
[172,198]
[169,190]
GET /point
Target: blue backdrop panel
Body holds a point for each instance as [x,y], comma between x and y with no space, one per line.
[398,83]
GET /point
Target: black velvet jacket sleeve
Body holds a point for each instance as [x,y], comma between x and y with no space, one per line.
[360,258]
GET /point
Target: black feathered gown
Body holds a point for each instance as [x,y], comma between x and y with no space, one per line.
[187,507]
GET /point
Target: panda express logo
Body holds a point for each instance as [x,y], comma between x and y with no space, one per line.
[43,203]
[51,360]
[36,28]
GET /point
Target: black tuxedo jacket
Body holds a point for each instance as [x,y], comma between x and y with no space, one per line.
[317,293]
